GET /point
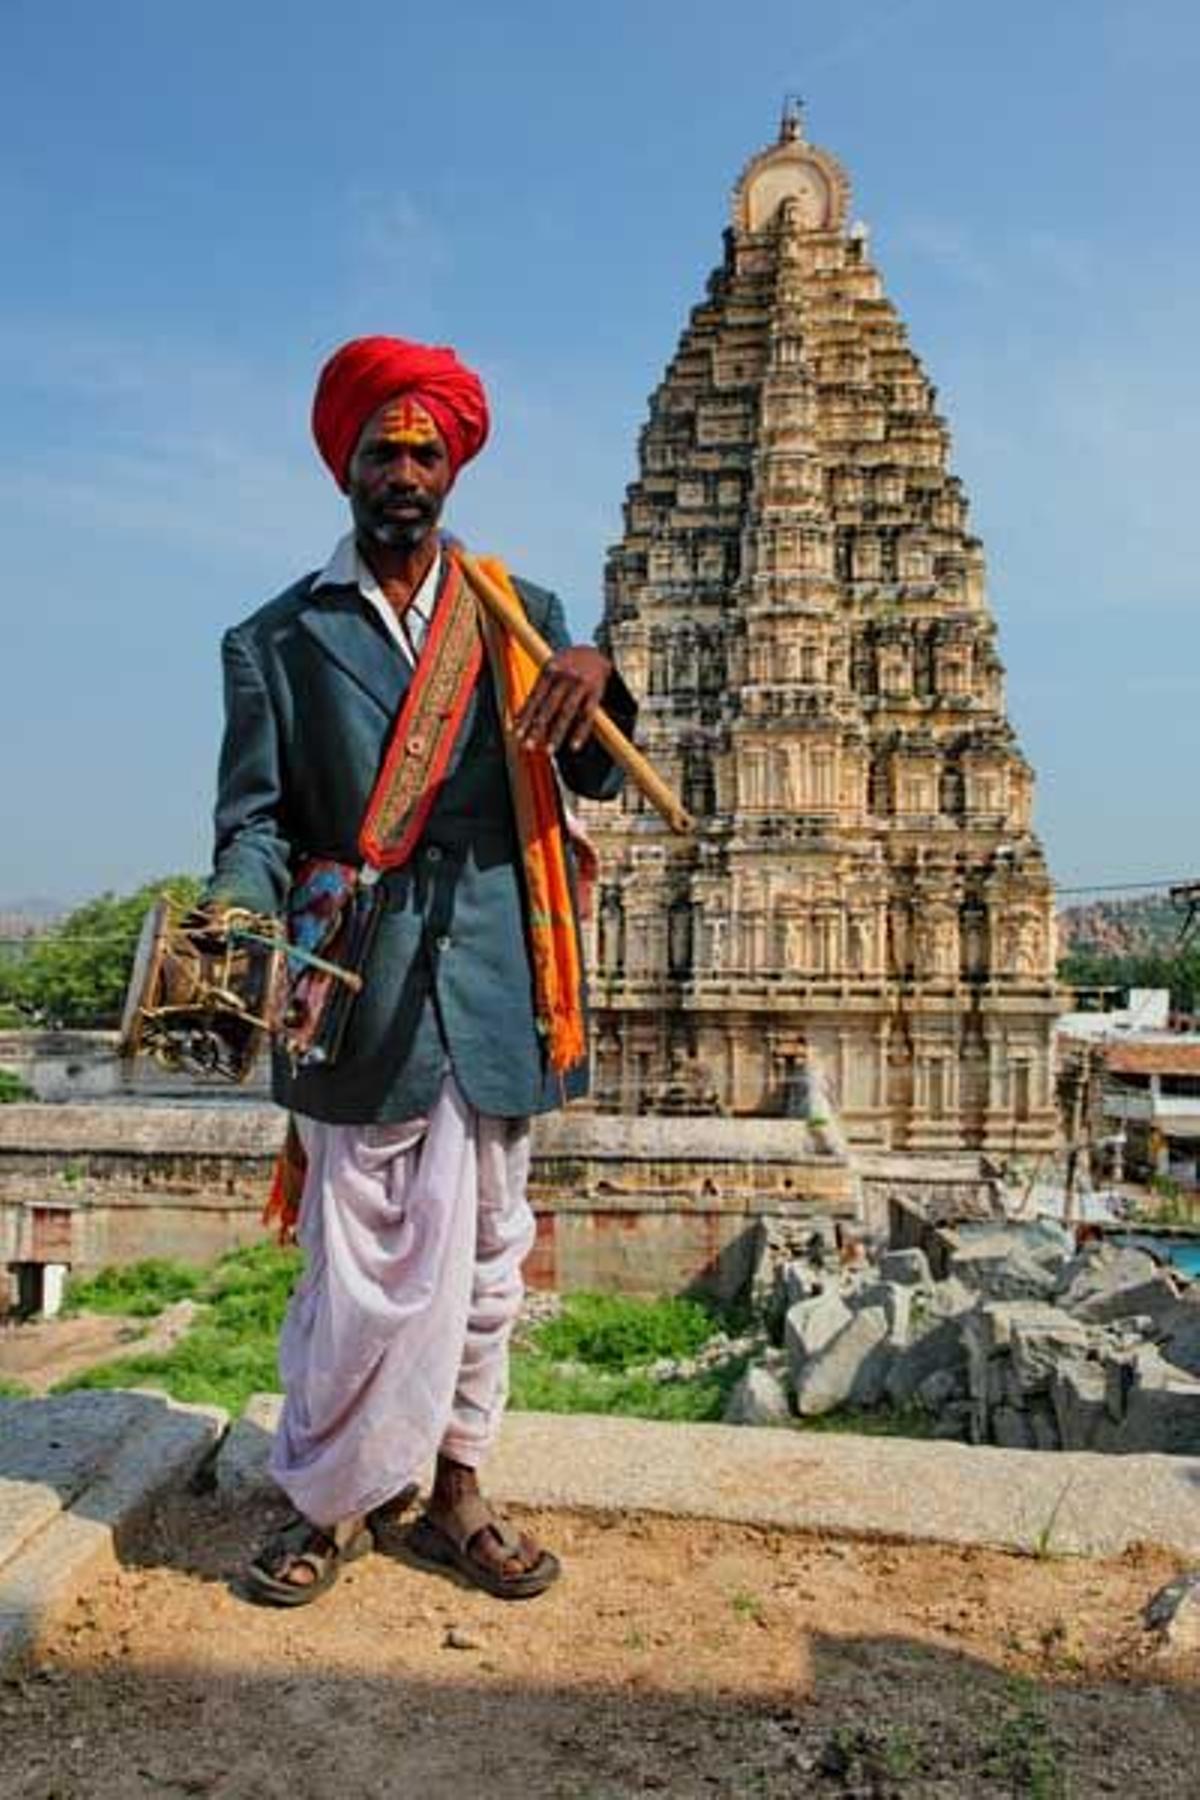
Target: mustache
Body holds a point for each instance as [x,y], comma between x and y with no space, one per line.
[413,503]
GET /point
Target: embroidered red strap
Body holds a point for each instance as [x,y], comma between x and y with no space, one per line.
[422,739]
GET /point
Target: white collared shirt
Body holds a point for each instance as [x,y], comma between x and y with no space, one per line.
[348,567]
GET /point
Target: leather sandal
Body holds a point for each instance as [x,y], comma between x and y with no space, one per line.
[452,1543]
[386,1523]
[300,1544]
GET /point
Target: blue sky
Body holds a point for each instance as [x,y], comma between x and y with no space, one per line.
[197,203]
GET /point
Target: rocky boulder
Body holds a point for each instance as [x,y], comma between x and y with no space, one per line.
[851,1369]
[759,1398]
[811,1324]
[907,1268]
[999,1268]
[1098,1283]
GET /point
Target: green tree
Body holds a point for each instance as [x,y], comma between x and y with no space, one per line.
[1179,971]
[77,975]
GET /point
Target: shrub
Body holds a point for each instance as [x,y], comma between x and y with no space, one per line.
[611,1331]
[540,1385]
[139,1290]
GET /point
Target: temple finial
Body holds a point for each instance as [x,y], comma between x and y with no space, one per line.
[791,123]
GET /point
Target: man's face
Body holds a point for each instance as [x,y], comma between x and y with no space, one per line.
[398,478]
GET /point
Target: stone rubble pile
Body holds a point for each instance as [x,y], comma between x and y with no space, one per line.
[1025,1342]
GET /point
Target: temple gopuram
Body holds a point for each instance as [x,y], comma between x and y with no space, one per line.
[863,911]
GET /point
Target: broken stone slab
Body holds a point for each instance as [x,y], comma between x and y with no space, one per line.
[1162,1407]
[779,1241]
[907,1268]
[810,1325]
[1012,1428]
[999,1269]
[1045,1426]
[939,1389]
[1038,1347]
[953,1423]
[153,1443]
[800,1282]
[851,1370]
[897,1303]
[1173,1614]
[1180,1331]
[948,1300]
[1079,1396]
[759,1398]
[1100,1271]
[941,1348]
[241,1466]
[992,1325]
[1155,1300]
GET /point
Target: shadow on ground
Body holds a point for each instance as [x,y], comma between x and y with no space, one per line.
[675,1658]
[869,1717]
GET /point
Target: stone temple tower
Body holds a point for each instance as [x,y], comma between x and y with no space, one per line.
[800,603]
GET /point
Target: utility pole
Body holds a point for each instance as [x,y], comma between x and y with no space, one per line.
[1079,1126]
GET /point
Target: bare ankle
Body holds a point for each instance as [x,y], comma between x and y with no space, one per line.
[451,1481]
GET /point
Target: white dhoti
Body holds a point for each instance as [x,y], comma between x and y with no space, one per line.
[395,1346]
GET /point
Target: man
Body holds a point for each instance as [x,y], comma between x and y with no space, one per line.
[415,1136]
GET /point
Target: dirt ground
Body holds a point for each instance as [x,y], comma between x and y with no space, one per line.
[40,1352]
[673,1658]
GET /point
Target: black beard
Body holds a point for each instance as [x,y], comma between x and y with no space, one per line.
[404,535]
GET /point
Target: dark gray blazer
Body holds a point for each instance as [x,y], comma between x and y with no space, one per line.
[312,683]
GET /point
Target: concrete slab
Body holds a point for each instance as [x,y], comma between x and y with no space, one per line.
[49,1452]
[75,1470]
[1042,1503]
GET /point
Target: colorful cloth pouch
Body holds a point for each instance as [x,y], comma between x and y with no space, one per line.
[331,913]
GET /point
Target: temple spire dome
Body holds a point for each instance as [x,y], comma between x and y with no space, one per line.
[792,169]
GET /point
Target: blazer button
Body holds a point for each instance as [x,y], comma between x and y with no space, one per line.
[443,943]
[433,854]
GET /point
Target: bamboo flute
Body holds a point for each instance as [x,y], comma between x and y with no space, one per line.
[635,765]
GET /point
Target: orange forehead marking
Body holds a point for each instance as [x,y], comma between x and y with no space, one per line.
[405,422]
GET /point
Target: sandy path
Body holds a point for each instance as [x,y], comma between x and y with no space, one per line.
[673,1658]
[40,1353]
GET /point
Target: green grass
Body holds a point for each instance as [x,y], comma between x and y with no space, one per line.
[230,1352]
[590,1358]
[541,1385]
[138,1291]
[612,1331]
[1021,1750]
[12,1390]
[880,1421]
[12,1088]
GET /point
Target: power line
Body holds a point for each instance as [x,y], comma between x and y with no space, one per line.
[1122,887]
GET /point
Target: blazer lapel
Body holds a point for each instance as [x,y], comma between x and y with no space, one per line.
[336,618]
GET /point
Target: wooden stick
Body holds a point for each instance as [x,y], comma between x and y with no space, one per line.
[611,736]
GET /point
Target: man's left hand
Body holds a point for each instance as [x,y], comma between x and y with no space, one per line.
[565,700]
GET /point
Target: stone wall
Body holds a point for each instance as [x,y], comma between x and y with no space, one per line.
[647,1205]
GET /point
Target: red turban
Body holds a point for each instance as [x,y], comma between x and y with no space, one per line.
[364,373]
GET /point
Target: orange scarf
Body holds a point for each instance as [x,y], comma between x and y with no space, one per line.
[553,933]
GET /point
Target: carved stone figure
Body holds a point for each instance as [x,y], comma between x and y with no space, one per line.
[611,932]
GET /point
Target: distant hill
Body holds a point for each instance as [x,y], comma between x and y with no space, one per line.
[1149,926]
[26,918]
